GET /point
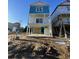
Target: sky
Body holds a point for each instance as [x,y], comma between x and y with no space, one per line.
[18,10]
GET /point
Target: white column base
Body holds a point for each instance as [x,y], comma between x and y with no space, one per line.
[66,36]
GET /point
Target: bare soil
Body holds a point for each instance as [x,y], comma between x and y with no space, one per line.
[36,48]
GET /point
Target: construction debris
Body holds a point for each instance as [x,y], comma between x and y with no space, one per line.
[33,50]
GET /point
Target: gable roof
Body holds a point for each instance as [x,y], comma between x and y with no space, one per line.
[65,3]
[39,3]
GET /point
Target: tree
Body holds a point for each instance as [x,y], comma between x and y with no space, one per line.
[25,29]
[21,29]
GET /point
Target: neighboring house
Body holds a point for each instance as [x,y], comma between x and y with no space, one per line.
[38,18]
[13,27]
[61,19]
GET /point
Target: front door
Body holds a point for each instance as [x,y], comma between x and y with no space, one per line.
[42,30]
[37,30]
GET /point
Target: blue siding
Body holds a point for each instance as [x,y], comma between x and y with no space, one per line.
[33,9]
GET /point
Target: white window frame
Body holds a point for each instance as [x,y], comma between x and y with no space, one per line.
[40,20]
[39,9]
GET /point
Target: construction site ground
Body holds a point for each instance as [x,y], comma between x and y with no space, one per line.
[26,47]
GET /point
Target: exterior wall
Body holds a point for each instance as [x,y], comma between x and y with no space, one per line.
[10,26]
[46,31]
[45,23]
[66,20]
[63,8]
[33,9]
[32,18]
[34,14]
[13,27]
[37,30]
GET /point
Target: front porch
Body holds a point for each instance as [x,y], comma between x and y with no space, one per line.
[39,30]
[40,36]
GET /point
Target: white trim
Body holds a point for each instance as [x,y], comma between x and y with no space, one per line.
[39,9]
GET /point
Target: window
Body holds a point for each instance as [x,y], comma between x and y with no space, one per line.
[68,20]
[68,8]
[39,9]
[39,20]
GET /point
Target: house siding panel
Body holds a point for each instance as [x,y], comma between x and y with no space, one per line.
[33,9]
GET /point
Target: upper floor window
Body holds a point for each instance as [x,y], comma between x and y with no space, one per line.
[68,20]
[39,20]
[39,9]
[68,8]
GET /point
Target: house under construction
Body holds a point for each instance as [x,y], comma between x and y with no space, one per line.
[60,19]
[56,24]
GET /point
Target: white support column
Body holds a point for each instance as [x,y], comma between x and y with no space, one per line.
[64,31]
[28,24]
[50,27]
[29,30]
[43,22]
[61,26]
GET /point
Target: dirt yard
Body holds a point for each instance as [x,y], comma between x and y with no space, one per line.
[36,48]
